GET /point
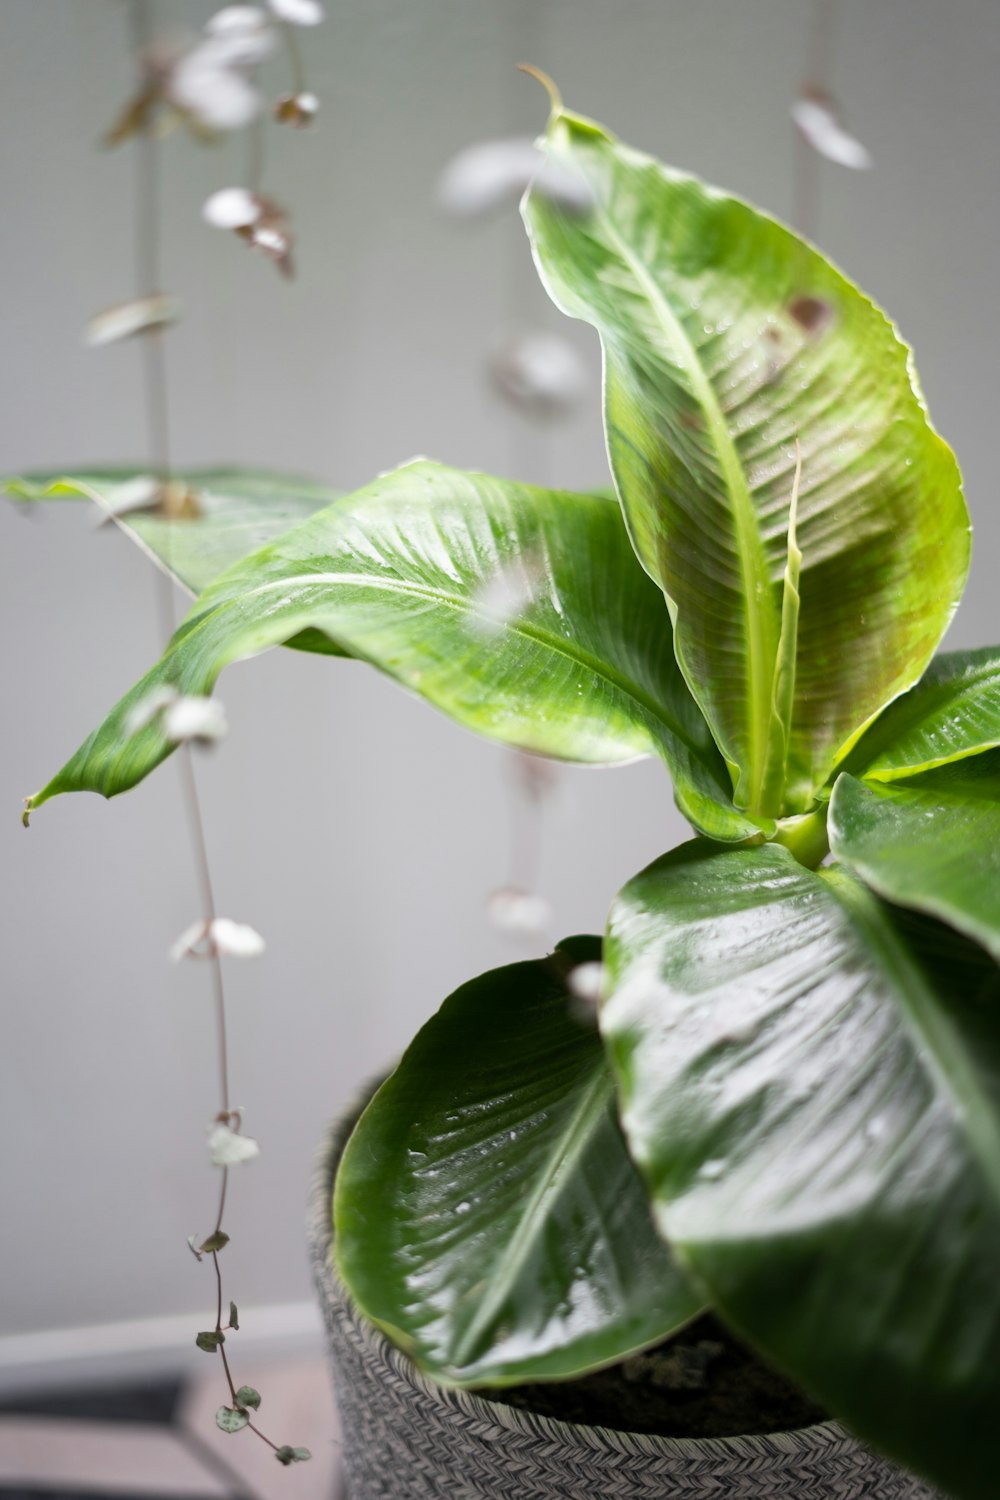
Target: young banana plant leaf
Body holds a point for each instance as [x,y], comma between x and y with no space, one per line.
[919,818]
[953,712]
[521,612]
[810,1085]
[234,512]
[728,341]
[931,842]
[487,1214]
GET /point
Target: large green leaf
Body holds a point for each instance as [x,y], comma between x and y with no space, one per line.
[931,842]
[953,711]
[239,510]
[810,1084]
[487,1214]
[725,339]
[521,612]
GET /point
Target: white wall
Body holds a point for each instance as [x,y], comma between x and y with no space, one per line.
[358,830]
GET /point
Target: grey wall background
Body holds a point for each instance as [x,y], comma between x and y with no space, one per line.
[356,829]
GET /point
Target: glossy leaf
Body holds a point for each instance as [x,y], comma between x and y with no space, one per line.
[487,1214]
[240,510]
[571,658]
[725,339]
[931,842]
[810,1084]
[953,711]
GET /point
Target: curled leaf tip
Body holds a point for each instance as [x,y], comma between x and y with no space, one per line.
[555,98]
[26,812]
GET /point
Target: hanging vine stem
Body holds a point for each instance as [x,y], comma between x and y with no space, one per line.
[295,59]
[147,242]
[255,154]
[819,57]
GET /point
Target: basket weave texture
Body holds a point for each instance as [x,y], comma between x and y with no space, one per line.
[405,1438]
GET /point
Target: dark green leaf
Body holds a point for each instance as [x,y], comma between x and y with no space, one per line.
[725,339]
[810,1084]
[247,1396]
[234,1321]
[217,1240]
[231,1419]
[487,1214]
[210,1341]
[953,711]
[930,842]
[401,574]
[287,1455]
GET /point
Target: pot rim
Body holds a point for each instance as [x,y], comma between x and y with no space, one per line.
[829,1437]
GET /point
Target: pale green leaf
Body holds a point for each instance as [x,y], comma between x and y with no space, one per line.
[520,612]
[231,1419]
[240,510]
[810,1085]
[725,339]
[487,1213]
[786,661]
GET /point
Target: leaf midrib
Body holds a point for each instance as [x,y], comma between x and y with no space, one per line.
[762,642]
[569,649]
[566,1151]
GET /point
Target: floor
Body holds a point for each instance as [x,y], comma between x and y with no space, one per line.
[160,1440]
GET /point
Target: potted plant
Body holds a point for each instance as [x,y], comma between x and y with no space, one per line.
[788,1112]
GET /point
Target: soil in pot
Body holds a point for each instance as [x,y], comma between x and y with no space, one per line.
[702,1383]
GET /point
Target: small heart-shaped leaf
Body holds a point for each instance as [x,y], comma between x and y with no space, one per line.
[231,1419]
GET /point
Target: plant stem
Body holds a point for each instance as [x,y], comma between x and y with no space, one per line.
[229,1374]
[222,1199]
[295,58]
[147,241]
[255,154]
[196,828]
[819,57]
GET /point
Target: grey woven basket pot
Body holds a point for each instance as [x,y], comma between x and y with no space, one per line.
[405,1438]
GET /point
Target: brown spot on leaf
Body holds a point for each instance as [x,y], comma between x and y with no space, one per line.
[813,314]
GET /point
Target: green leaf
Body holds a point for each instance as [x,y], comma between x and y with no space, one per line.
[786,660]
[217,1240]
[287,1455]
[487,1214]
[810,1084]
[404,574]
[240,510]
[231,1419]
[234,1322]
[931,842]
[953,711]
[725,338]
[247,1396]
[210,1340]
